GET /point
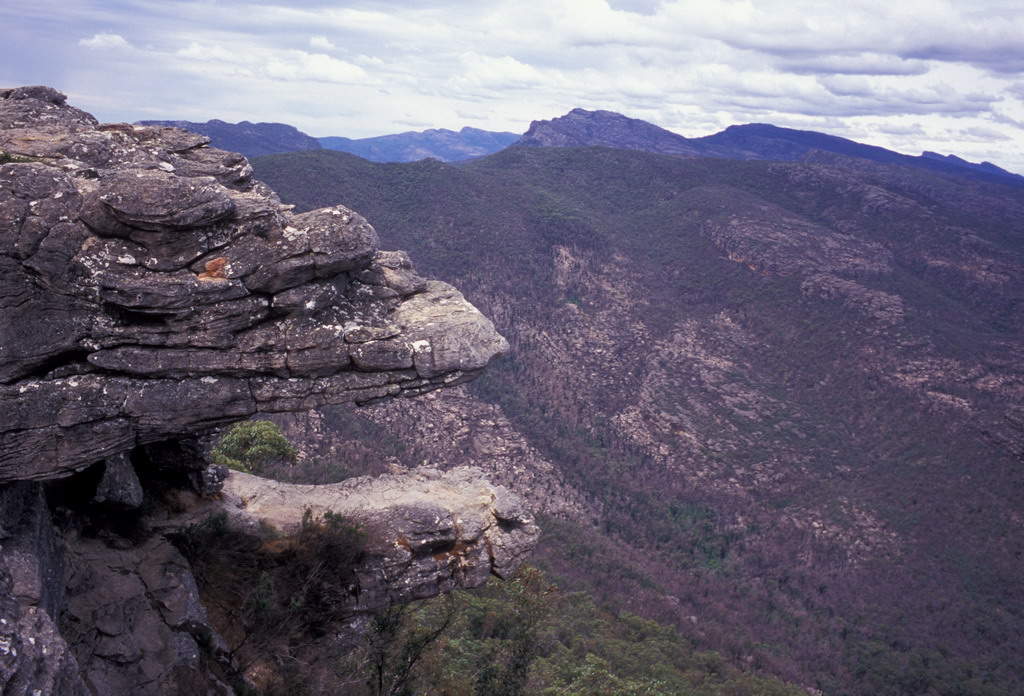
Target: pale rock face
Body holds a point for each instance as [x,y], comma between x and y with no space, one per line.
[431,531]
[150,289]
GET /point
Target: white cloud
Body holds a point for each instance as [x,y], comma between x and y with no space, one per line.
[853,64]
[104,41]
[911,129]
[322,43]
[211,53]
[289,65]
[495,73]
[981,134]
[316,67]
[932,72]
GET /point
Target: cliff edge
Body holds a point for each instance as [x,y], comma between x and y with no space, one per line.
[150,291]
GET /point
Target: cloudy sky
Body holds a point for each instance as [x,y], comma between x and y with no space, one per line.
[911,75]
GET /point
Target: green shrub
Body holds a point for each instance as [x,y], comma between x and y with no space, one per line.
[251,445]
[10,158]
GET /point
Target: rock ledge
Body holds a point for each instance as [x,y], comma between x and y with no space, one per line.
[151,289]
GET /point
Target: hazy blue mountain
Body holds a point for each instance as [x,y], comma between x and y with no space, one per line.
[251,139]
[765,141]
[754,141]
[436,143]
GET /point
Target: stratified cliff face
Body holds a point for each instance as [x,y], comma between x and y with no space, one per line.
[151,290]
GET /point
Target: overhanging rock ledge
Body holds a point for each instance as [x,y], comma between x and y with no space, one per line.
[151,289]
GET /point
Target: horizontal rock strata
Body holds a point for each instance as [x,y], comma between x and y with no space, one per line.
[150,289]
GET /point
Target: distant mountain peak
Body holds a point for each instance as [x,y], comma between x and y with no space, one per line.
[751,141]
[580,128]
[434,143]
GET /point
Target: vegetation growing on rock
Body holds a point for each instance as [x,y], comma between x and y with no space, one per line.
[250,446]
[271,596]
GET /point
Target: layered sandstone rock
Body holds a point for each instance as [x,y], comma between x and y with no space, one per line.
[150,288]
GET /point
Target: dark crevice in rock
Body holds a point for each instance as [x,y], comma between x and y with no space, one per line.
[74,492]
[62,364]
[131,317]
[508,525]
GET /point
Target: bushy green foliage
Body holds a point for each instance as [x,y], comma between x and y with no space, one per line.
[7,158]
[525,637]
[249,446]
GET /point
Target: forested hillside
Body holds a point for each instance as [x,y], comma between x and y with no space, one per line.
[777,406]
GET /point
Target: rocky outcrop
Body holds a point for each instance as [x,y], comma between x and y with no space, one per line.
[134,621]
[151,289]
[582,128]
[90,611]
[34,658]
[431,531]
[443,429]
[769,240]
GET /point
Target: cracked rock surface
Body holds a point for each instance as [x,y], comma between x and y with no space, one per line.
[432,531]
[151,289]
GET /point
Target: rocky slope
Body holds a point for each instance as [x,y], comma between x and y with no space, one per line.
[786,395]
[151,290]
[582,128]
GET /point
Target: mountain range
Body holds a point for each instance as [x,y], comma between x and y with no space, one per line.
[582,128]
[754,141]
[775,404]
[437,143]
[250,139]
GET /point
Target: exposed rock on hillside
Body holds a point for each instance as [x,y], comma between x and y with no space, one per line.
[470,432]
[151,289]
[788,393]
